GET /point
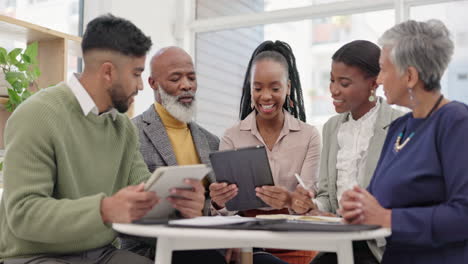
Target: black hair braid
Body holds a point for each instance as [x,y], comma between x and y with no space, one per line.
[296,96]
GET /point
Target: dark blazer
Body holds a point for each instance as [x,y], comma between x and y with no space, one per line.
[157,149]
[426,186]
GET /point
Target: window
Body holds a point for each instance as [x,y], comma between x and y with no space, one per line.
[54,14]
[224,34]
[222,58]
[219,8]
[454,82]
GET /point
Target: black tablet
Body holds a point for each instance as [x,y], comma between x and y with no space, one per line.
[248,168]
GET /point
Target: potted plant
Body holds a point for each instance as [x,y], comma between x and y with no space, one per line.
[19,71]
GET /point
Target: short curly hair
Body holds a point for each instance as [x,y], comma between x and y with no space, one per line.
[108,32]
[424,45]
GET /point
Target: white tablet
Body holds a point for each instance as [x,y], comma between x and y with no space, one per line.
[166,178]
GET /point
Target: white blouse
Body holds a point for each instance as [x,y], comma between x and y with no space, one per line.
[353,142]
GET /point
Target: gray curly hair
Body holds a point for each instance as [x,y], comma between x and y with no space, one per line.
[424,45]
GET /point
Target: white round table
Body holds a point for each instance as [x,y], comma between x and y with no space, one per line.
[176,238]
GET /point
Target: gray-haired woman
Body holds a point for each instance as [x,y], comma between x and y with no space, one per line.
[420,186]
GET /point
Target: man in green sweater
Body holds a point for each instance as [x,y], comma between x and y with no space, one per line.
[72,164]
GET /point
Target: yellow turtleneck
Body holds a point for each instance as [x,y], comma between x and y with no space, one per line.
[179,136]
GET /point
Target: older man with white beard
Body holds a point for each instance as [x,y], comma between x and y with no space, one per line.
[168,137]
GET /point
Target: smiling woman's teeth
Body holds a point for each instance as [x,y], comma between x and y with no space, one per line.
[267,106]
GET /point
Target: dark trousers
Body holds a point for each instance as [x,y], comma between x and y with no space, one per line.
[262,257]
[197,256]
[362,255]
[104,255]
[146,247]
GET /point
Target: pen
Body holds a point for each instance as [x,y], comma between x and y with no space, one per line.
[300,181]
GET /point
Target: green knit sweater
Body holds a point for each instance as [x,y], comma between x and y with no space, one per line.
[59,164]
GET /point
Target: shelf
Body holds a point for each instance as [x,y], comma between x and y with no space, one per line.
[54,47]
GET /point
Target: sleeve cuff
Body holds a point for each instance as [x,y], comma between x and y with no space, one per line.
[223,211]
[319,205]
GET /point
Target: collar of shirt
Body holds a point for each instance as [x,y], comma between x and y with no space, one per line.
[367,117]
[84,99]
[290,124]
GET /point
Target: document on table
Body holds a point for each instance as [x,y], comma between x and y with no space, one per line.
[269,224]
[213,221]
[307,218]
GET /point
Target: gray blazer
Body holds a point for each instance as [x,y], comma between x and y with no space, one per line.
[326,193]
[157,149]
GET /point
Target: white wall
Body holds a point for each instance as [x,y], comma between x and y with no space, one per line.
[156,18]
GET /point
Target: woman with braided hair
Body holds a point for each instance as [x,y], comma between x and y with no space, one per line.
[275,49]
[272,114]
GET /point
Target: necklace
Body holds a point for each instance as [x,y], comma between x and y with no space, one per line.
[399,146]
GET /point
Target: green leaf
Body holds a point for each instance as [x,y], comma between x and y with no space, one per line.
[26,58]
[3,56]
[21,69]
[9,106]
[12,77]
[22,66]
[18,86]
[32,51]
[13,55]
[14,97]
[37,72]
[26,94]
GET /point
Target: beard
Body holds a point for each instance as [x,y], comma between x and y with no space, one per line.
[183,112]
[120,101]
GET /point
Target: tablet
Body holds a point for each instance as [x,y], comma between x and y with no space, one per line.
[166,178]
[248,168]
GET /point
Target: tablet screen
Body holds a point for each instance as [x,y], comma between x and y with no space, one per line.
[248,168]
